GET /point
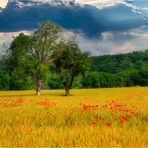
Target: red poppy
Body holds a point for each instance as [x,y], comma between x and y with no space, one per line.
[108,124]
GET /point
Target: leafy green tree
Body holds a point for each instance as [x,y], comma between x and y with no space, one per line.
[70,62]
[44,41]
[4,80]
[15,64]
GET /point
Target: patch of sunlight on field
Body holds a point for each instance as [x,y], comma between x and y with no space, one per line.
[89,117]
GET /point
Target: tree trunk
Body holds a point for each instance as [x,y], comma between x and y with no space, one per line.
[38,87]
[67,88]
[67,91]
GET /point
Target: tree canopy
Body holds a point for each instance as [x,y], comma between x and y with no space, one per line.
[70,62]
[44,42]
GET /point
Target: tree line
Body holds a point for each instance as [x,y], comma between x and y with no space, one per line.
[45,60]
[120,70]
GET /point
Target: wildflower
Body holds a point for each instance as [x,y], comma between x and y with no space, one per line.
[126,110]
[134,114]
[106,105]
[113,101]
[86,107]
[95,107]
[20,100]
[108,124]
[124,118]
[46,102]
[94,123]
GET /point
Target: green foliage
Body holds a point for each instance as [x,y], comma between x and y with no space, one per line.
[20,80]
[54,81]
[121,62]
[98,79]
[140,78]
[70,62]
[121,70]
[16,53]
[44,41]
[78,82]
[122,79]
[15,63]
[4,80]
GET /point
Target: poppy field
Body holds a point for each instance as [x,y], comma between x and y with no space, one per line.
[88,118]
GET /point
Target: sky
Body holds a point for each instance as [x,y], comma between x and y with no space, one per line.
[102,26]
[3,3]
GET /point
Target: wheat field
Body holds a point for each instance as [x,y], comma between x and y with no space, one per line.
[113,117]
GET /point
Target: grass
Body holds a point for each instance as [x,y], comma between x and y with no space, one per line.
[89,117]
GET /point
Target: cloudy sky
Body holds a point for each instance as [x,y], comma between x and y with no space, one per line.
[102,26]
[3,3]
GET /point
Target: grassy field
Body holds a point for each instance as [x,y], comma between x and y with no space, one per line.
[89,117]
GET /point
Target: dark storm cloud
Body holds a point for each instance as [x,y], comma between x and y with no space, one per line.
[88,20]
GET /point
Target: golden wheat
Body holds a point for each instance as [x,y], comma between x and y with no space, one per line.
[87,118]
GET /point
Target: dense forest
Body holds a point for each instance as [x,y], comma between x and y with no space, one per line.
[121,62]
[120,70]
